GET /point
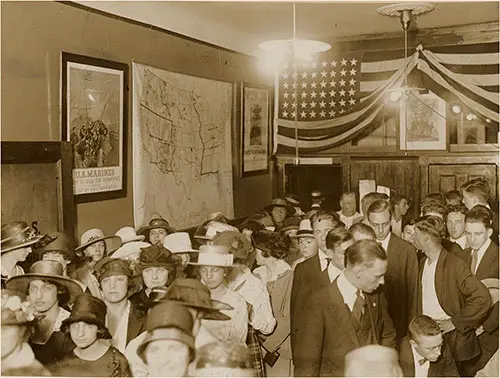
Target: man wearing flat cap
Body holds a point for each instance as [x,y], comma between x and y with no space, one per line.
[123,320]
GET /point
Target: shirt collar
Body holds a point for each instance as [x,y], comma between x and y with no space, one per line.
[484,247]
[347,289]
[385,243]
[322,259]
[417,356]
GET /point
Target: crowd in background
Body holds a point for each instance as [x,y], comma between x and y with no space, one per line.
[286,292]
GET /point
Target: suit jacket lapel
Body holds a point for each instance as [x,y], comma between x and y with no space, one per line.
[488,261]
[134,324]
[406,359]
[342,313]
[323,277]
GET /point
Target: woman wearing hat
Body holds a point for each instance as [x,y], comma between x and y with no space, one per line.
[57,247]
[179,243]
[168,347]
[214,263]
[278,275]
[94,246]
[157,269]
[16,244]
[253,290]
[156,230]
[279,209]
[93,356]
[17,319]
[131,246]
[48,291]
[223,359]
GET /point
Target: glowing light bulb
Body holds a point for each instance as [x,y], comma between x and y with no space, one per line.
[469,117]
[488,120]
[456,109]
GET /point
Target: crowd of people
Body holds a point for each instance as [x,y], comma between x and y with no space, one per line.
[286,292]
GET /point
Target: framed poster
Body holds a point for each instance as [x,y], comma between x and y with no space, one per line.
[255,126]
[423,122]
[94,119]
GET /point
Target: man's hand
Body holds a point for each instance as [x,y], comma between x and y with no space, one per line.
[479,330]
[446,325]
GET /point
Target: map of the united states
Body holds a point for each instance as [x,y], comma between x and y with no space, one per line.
[182,147]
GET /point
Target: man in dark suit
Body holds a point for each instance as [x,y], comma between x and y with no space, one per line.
[477,192]
[483,262]
[400,286]
[345,315]
[312,274]
[423,353]
[449,293]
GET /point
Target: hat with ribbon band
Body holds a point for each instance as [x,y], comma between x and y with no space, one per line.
[96,235]
[17,235]
[214,255]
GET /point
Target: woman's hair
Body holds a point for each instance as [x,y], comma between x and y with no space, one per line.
[102,333]
[271,243]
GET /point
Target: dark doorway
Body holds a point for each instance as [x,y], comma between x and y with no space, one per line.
[303,179]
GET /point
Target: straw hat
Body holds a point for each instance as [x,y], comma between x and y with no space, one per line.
[168,321]
[281,202]
[192,293]
[214,255]
[305,229]
[492,284]
[292,199]
[317,195]
[130,250]
[17,235]
[179,242]
[95,235]
[46,270]
[156,222]
[210,229]
[127,234]
[88,309]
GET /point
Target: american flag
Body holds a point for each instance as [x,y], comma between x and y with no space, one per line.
[320,89]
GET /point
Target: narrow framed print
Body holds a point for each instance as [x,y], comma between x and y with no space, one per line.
[423,123]
[94,119]
[255,129]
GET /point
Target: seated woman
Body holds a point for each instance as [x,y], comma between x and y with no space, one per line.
[94,246]
[214,263]
[278,275]
[17,318]
[93,355]
[156,265]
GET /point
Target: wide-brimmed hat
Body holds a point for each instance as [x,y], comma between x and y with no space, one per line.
[208,230]
[290,223]
[292,199]
[218,217]
[88,309]
[492,283]
[214,255]
[110,266]
[281,202]
[15,310]
[317,195]
[95,235]
[46,270]
[224,354]
[238,244]
[155,222]
[156,256]
[168,321]
[56,242]
[179,242]
[130,251]
[17,235]
[305,229]
[192,293]
[127,234]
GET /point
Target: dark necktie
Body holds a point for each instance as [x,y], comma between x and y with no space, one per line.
[473,261]
[422,361]
[328,261]
[358,308]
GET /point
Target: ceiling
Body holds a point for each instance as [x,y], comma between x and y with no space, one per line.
[242,25]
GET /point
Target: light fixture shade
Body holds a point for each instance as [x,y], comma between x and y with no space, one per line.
[298,46]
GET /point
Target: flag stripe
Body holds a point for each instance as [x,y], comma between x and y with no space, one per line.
[469,59]
[488,99]
[384,65]
[480,49]
[425,67]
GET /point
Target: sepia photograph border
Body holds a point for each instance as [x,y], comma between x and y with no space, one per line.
[95,64]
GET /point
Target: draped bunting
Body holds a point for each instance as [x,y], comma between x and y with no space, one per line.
[465,73]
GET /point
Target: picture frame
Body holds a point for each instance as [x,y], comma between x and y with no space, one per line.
[255,129]
[423,123]
[94,109]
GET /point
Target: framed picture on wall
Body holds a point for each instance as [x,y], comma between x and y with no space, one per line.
[94,119]
[255,128]
[423,122]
